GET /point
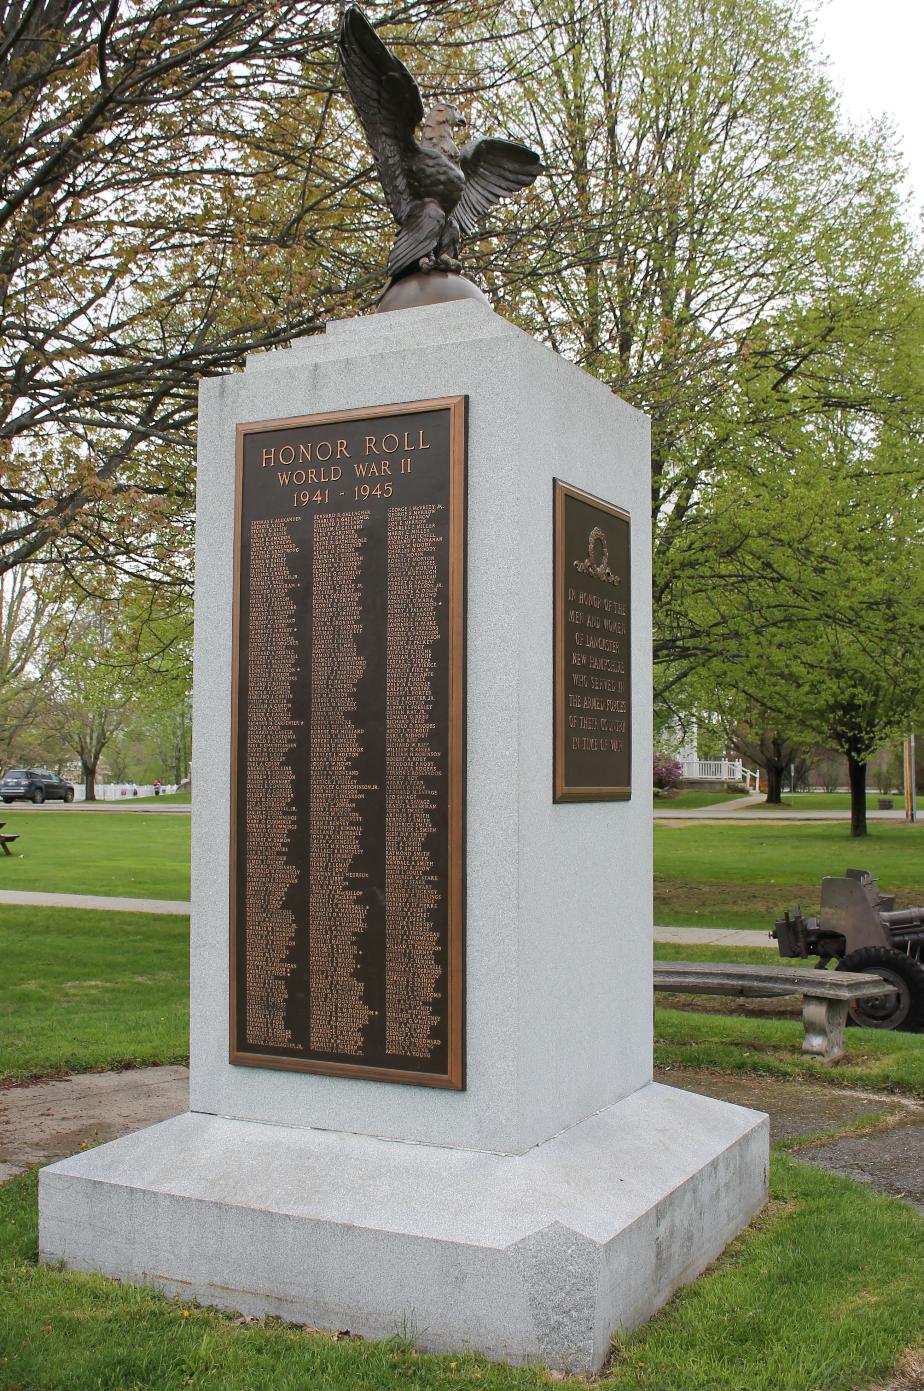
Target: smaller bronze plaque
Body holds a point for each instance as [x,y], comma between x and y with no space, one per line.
[592,644]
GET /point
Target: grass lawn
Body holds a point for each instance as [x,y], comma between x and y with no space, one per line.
[694,798]
[825,801]
[721,875]
[823,1290]
[81,991]
[86,990]
[182,798]
[126,855]
[877,1060]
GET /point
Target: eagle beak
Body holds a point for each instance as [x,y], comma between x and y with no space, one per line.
[459,120]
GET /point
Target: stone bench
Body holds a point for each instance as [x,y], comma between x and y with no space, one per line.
[826,994]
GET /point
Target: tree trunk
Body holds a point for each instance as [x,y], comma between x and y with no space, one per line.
[774,773]
[89,781]
[857,774]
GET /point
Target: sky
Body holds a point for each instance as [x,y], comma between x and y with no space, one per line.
[876,51]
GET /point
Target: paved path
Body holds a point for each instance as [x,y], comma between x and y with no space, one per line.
[714,936]
[740,809]
[891,1163]
[690,936]
[22,898]
[733,810]
[736,809]
[890,1158]
[665,811]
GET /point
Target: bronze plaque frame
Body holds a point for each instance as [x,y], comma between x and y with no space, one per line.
[454,1075]
[567,786]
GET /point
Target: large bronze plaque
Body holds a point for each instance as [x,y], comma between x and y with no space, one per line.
[347,744]
[592,677]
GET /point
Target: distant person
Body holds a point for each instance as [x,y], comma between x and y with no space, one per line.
[157,787]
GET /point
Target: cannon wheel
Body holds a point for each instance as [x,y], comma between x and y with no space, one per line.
[901,1006]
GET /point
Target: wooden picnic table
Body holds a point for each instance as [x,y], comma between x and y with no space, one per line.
[6,841]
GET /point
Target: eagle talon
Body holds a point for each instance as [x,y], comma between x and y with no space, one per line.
[449,263]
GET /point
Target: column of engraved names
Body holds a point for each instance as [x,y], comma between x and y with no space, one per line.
[597,699]
[337,1010]
[269,817]
[412,894]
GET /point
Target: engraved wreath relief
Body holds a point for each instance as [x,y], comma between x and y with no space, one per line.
[597,562]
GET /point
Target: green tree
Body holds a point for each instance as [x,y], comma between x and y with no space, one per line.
[715,246]
[161,649]
[829,641]
[92,690]
[754,737]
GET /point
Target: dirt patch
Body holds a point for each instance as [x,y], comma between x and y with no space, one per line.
[797,1108]
[710,896]
[774,1007]
[699,896]
[54,1118]
[909,1374]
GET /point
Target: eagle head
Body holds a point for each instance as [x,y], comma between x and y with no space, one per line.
[441,120]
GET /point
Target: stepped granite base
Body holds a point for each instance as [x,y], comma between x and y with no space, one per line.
[533,1257]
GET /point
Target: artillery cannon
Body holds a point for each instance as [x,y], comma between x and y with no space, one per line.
[861,930]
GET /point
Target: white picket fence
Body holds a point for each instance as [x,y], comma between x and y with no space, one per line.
[719,770]
[119,791]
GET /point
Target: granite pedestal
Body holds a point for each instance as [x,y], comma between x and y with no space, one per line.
[561,1195]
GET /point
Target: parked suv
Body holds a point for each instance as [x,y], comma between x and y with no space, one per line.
[34,785]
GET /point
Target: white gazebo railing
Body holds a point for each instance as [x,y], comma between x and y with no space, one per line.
[719,770]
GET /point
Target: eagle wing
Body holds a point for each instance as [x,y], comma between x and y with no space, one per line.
[387,102]
[493,170]
[420,231]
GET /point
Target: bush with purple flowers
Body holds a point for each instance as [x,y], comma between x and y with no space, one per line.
[667,772]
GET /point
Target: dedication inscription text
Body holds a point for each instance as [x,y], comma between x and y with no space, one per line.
[347,758]
[592,737]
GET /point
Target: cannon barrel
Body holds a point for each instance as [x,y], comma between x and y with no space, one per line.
[903,917]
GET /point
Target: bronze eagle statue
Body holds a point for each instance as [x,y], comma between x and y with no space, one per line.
[435,190]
